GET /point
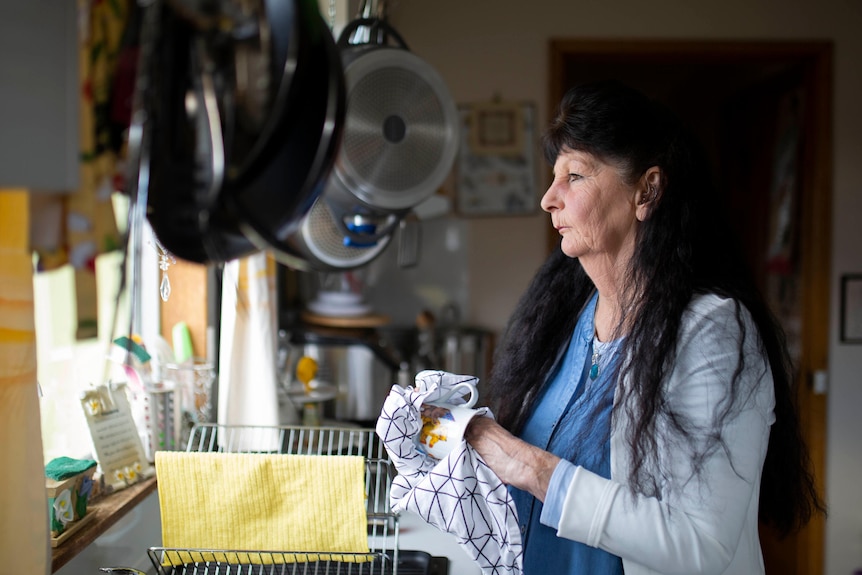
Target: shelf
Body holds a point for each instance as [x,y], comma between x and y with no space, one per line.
[105,512]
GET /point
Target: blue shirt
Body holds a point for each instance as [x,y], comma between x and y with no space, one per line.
[571,419]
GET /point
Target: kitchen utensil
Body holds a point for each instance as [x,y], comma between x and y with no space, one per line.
[351,361]
[339,294]
[306,369]
[463,349]
[383,525]
[399,143]
[349,321]
[421,563]
[164,419]
[323,307]
[443,428]
[320,244]
[311,398]
[245,103]
[192,381]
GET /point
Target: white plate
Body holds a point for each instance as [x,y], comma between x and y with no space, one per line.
[339,298]
[338,310]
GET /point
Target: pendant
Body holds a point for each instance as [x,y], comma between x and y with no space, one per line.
[165,287]
[594,368]
[165,261]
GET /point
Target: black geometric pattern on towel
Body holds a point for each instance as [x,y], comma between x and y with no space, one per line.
[459,494]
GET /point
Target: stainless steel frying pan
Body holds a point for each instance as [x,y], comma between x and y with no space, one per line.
[399,142]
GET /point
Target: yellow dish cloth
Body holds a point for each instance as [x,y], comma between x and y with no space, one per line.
[267,502]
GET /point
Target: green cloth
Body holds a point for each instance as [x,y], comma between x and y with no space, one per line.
[133,347]
[61,468]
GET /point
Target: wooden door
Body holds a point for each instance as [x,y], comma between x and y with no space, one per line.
[742,99]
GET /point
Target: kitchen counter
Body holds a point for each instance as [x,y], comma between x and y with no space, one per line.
[106,512]
[417,535]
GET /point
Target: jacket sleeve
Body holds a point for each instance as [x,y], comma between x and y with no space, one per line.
[694,525]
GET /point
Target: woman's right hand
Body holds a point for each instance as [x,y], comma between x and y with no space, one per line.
[514,461]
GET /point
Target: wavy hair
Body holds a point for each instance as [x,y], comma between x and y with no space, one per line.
[683,249]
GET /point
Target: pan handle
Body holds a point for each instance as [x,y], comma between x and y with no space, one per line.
[374,24]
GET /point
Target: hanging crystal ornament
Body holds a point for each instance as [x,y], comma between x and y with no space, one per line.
[166,260]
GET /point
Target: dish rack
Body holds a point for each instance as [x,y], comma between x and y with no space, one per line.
[382,558]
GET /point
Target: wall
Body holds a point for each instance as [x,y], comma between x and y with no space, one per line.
[39,101]
[485,47]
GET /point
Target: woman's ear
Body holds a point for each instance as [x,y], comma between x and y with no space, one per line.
[649,193]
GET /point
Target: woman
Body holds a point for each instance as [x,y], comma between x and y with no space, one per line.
[645,382]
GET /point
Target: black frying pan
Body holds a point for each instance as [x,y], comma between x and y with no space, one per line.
[301,164]
[234,166]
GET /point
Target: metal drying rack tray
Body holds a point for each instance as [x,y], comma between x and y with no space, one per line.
[382,558]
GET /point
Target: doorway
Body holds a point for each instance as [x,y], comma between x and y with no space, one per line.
[763,111]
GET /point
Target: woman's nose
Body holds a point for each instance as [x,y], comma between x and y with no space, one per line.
[550,200]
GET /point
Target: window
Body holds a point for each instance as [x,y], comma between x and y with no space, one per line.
[66,366]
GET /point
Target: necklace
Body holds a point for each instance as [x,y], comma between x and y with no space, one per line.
[598,349]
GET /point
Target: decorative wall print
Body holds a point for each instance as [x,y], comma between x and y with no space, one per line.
[496,159]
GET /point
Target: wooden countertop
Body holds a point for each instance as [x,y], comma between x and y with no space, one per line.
[105,511]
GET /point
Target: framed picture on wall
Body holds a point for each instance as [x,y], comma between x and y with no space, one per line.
[851,308]
[495,173]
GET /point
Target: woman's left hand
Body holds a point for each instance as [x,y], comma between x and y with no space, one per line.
[514,461]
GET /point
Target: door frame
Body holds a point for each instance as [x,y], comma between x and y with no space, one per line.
[815,58]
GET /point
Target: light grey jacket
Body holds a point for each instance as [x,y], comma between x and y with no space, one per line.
[704,523]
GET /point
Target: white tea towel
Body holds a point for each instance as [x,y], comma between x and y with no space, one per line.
[458,494]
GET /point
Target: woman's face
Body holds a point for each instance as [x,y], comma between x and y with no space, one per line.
[592,207]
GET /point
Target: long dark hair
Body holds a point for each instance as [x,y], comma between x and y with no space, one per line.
[683,249]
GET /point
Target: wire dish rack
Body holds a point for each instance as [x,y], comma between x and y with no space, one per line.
[382,558]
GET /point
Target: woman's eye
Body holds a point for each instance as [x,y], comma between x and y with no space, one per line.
[574,177]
